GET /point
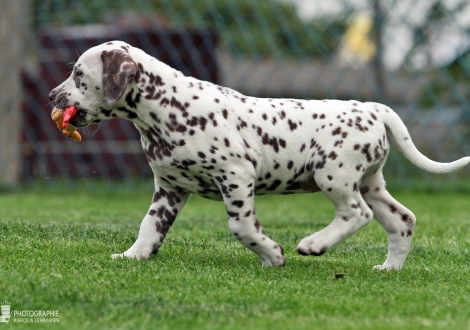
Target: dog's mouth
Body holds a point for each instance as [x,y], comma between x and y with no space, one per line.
[79,119]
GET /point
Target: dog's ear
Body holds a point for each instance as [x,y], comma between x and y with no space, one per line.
[118,70]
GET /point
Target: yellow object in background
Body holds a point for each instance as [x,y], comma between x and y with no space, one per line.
[357,45]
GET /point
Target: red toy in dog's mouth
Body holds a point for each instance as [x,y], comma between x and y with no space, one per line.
[69,112]
[62,118]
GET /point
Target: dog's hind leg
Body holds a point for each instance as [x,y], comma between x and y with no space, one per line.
[396,219]
[166,205]
[352,212]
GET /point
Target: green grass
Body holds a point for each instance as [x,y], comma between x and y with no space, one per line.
[55,247]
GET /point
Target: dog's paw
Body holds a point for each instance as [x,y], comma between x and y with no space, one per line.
[128,255]
[277,261]
[273,257]
[310,247]
[386,266]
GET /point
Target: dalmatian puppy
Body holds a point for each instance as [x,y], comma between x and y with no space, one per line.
[200,138]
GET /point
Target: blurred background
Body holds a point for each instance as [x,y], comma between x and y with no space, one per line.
[413,55]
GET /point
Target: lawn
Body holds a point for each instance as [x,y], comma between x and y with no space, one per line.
[55,247]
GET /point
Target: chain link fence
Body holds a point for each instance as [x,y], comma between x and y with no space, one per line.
[413,55]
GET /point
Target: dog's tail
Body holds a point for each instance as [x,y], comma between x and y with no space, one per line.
[397,129]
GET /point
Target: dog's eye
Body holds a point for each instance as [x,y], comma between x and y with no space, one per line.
[78,73]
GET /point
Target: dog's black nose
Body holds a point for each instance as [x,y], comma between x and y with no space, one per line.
[52,95]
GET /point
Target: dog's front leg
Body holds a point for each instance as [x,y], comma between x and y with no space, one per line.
[243,223]
[166,205]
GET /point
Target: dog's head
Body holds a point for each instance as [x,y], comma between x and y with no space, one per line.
[97,83]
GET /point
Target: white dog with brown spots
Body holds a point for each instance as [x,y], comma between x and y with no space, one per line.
[215,142]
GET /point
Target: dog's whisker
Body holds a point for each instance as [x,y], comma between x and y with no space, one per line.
[98,125]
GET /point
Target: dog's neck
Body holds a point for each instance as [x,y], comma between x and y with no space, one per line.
[156,101]
[163,97]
